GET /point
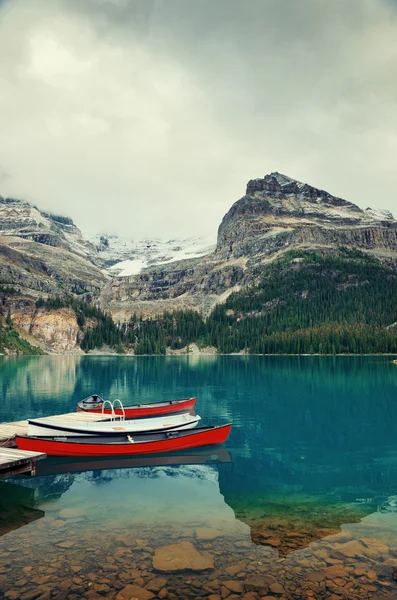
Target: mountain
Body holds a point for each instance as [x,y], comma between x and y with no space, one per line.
[44,253]
[24,220]
[275,215]
[294,270]
[278,212]
[45,256]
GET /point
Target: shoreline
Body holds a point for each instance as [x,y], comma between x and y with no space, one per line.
[184,355]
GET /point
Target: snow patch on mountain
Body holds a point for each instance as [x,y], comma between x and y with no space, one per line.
[128,267]
[17,215]
[379,214]
[23,219]
[128,257]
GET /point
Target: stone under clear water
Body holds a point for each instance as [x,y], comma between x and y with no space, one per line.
[301,502]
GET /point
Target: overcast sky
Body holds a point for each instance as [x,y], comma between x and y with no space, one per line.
[148,117]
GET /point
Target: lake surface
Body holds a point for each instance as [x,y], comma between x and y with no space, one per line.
[301,502]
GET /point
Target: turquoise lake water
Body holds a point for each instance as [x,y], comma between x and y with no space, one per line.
[303,495]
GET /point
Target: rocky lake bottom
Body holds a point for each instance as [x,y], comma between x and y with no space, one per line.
[70,554]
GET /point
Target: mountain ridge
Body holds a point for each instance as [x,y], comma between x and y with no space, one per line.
[45,255]
[276,214]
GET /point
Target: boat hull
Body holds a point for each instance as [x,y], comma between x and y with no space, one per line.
[144,410]
[46,427]
[140,444]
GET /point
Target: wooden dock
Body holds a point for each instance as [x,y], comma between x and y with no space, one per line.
[15,462]
[8,431]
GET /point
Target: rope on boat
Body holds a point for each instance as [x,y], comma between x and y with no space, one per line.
[5,442]
[129,438]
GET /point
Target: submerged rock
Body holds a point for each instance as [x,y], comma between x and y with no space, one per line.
[234,586]
[276,588]
[374,548]
[255,583]
[131,592]
[66,544]
[178,557]
[335,571]
[58,523]
[71,513]
[156,584]
[207,533]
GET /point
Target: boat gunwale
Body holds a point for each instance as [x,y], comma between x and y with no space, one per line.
[95,434]
[135,406]
[98,440]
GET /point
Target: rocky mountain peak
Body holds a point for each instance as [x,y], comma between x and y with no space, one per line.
[17,215]
[24,220]
[279,211]
[42,253]
[277,185]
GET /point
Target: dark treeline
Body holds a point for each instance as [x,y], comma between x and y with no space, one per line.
[172,329]
[305,304]
[146,336]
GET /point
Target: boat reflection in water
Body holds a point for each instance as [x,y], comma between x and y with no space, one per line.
[57,465]
[55,477]
[197,486]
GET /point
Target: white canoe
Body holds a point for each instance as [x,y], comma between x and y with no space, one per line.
[47,427]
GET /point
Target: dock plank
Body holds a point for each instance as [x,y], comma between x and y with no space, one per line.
[11,458]
[14,461]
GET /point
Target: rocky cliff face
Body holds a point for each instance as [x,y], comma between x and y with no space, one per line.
[55,330]
[192,284]
[25,221]
[44,254]
[37,269]
[276,214]
[278,211]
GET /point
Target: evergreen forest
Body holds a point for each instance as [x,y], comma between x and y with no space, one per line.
[305,303]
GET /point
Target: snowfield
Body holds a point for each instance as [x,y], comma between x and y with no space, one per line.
[128,257]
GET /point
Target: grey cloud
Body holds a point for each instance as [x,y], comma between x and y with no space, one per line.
[147,117]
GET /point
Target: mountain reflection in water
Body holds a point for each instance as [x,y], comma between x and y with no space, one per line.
[16,507]
[284,521]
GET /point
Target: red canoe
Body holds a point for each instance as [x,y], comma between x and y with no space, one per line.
[95,403]
[142,443]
